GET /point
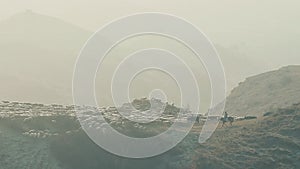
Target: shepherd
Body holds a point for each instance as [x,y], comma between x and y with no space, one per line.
[226,118]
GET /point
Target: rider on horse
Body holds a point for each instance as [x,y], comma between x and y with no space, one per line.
[227,118]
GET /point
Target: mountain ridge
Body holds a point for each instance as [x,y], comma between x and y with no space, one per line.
[266,91]
[38,50]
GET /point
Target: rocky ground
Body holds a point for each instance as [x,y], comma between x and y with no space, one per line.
[269,142]
[50,136]
[270,90]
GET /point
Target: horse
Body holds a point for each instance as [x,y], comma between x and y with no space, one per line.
[229,119]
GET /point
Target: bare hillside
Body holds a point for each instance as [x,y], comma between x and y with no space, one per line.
[49,136]
[264,92]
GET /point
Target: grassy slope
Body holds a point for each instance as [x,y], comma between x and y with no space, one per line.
[270,142]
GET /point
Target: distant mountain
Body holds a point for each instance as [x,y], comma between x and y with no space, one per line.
[37,56]
[264,92]
[37,59]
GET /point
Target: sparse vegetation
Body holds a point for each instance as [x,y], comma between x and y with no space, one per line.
[56,141]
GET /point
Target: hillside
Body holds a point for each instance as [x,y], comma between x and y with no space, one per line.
[264,92]
[269,142]
[37,56]
[49,136]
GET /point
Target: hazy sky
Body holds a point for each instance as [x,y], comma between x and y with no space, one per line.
[253,15]
[255,23]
